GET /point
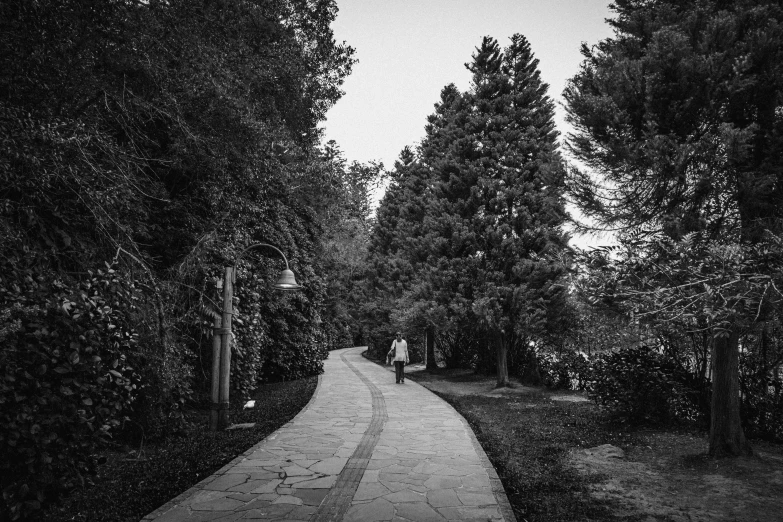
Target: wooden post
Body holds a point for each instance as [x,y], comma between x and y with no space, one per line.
[225,348]
[215,392]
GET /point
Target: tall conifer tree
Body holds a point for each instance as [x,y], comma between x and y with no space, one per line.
[403,278]
[394,259]
[469,229]
[679,116]
[500,204]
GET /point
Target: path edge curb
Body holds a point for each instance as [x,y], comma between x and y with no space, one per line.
[497,485]
[171,504]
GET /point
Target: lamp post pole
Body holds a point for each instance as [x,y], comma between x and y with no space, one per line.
[221,344]
[225,347]
[217,339]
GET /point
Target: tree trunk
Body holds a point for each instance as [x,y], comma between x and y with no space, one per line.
[501,351]
[705,377]
[431,363]
[726,435]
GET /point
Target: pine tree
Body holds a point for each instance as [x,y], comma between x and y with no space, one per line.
[469,230]
[499,197]
[407,288]
[679,117]
[394,259]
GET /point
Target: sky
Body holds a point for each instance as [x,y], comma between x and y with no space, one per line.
[408,50]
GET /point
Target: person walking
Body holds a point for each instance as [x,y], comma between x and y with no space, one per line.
[399,354]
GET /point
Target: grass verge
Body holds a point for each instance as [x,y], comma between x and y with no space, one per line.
[125,489]
[529,450]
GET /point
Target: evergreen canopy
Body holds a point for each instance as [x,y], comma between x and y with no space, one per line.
[477,212]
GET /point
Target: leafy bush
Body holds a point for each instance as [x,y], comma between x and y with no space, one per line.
[337,335]
[276,340]
[456,347]
[66,381]
[761,398]
[379,341]
[569,371]
[166,370]
[301,358]
[762,415]
[638,384]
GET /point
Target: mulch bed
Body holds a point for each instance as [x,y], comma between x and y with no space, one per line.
[125,489]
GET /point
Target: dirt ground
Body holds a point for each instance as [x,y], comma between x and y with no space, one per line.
[661,476]
[671,479]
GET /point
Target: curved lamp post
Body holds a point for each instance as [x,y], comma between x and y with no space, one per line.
[286,281]
[221,341]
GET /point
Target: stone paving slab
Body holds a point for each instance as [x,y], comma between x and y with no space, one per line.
[363,449]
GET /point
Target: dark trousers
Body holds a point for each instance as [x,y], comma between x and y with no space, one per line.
[399,370]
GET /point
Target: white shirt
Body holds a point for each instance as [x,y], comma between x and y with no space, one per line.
[401,353]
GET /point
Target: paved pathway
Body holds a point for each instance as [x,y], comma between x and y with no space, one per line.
[364,449]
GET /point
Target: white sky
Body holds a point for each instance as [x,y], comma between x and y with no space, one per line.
[408,50]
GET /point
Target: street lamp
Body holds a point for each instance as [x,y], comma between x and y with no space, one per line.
[221,341]
[286,281]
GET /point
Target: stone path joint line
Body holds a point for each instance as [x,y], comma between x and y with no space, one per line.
[364,449]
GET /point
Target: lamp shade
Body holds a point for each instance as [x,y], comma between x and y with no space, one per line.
[287,281]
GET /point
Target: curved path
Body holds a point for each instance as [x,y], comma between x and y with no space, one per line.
[364,449]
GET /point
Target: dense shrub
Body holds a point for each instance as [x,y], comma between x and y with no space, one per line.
[337,335]
[457,347]
[762,414]
[304,360]
[639,385]
[761,399]
[379,341]
[643,385]
[416,348]
[66,379]
[166,368]
[276,337]
[568,371]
